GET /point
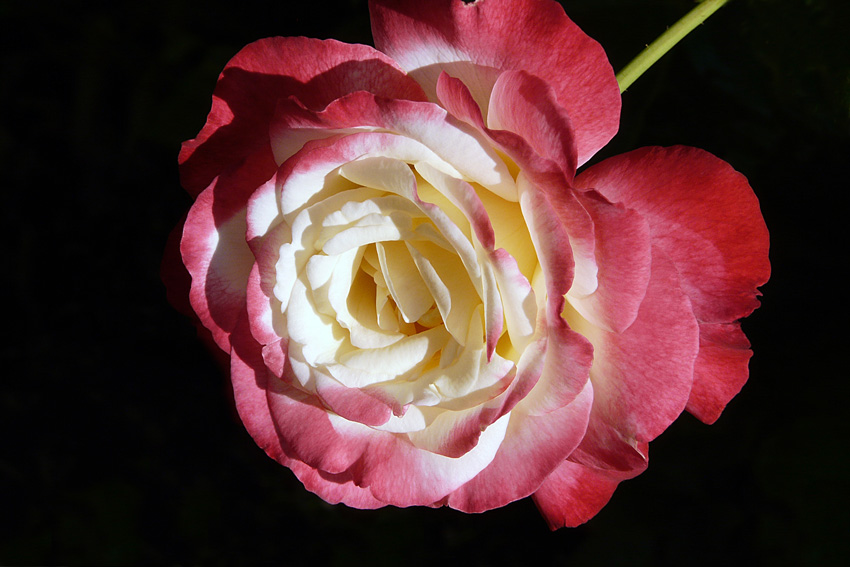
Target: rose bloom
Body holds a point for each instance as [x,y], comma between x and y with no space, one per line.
[422,302]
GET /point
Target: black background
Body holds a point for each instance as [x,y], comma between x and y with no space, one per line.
[119,445]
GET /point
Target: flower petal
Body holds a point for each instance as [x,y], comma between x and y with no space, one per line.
[216,254]
[395,471]
[702,214]
[250,379]
[452,140]
[720,370]
[551,243]
[622,255]
[533,447]
[641,377]
[526,105]
[404,281]
[249,87]
[475,42]
[706,218]
[573,494]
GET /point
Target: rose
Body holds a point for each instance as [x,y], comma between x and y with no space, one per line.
[423,304]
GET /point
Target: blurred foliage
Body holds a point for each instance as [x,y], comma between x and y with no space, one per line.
[120,444]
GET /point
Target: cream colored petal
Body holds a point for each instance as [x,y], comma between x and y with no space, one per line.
[471,370]
[403,280]
[399,358]
[449,284]
[320,335]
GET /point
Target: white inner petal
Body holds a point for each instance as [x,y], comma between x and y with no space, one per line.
[318,334]
[518,299]
[321,180]
[404,281]
[449,284]
[399,358]
[471,370]
[361,318]
[366,233]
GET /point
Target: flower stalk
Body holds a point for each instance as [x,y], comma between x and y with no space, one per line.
[666,41]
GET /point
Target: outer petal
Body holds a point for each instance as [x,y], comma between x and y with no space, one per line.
[545,427]
[250,379]
[702,214]
[474,42]
[394,470]
[334,488]
[261,303]
[720,370]
[641,377]
[622,253]
[533,447]
[215,252]
[706,218]
[314,71]
[573,494]
[452,140]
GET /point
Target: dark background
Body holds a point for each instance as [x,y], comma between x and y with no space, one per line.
[119,445]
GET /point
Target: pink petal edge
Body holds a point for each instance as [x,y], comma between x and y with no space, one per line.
[475,42]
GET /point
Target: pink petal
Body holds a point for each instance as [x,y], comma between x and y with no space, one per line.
[453,141]
[334,488]
[264,214]
[314,71]
[564,374]
[526,105]
[264,309]
[355,404]
[395,471]
[455,433]
[250,379]
[641,377]
[456,97]
[265,234]
[475,42]
[178,284]
[573,494]
[546,426]
[721,369]
[622,253]
[702,214]
[403,476]
[304,427]
[533,447]
[705,217]
[215,251]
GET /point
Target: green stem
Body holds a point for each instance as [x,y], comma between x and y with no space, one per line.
[666,41]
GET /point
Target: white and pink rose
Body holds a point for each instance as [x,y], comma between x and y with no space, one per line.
[422,301]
